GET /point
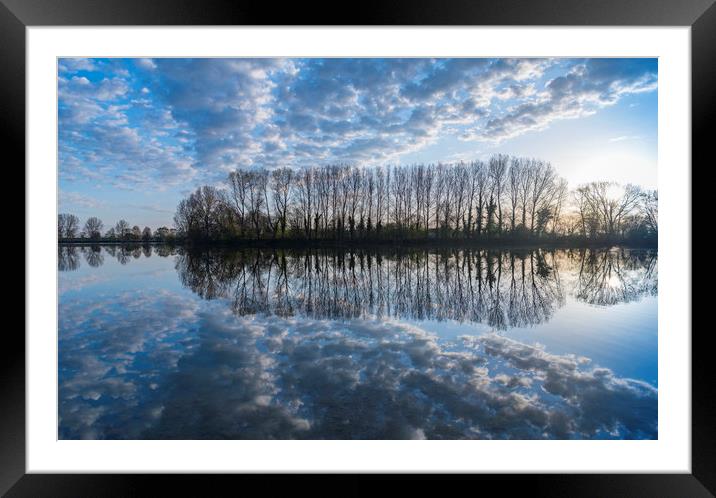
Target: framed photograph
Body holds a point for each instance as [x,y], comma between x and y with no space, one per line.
[426,239]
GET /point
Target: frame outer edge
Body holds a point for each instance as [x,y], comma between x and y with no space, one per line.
[703,107]
[371,12]
[12,128]
[12,136]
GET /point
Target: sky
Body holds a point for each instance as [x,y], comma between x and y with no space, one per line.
[137,135]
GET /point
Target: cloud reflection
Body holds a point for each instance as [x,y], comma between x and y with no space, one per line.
[169,366]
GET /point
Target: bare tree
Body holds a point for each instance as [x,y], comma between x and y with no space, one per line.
[281,187]
[238,196]
[525,186]
[542,179]
[93,228]
[460,185]
[185,218]
[559,199]
[650,208]
[67,226]
[370,192]
[479,171]
[122,229]
[305,200]
[256,199]
[498,169]
[381,199]
[514,182]
[611,203]
[506,195]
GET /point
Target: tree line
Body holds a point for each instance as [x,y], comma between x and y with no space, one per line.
[505,197]
[69,228]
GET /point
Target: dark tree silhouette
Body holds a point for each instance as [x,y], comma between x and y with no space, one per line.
[506,198]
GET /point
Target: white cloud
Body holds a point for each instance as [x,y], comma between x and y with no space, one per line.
[582,91]
[77,64]
[70,200]
[623,138]
[194,119]
[146,64]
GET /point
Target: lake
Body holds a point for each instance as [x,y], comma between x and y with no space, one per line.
[166,343]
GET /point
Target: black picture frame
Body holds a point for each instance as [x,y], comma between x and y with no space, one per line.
[16,15]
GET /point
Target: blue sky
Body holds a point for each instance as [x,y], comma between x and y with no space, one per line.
[135,135]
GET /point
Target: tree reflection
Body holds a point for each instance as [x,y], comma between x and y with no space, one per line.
[498,288]
[69,255]
[68,258]
[616,276]
[93,255]
[503,289]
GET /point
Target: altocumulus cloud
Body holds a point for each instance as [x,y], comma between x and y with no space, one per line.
[155,123]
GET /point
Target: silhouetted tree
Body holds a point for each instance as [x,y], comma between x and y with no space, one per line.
[506,197]
[67,226]
[122,229]
[93,228]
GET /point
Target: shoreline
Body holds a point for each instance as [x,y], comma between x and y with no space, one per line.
[369,244]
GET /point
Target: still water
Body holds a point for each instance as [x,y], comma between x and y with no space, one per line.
[160,343]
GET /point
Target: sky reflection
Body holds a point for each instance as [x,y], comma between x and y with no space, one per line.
[147,352]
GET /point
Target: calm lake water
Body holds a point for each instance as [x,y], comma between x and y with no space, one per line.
[156,343]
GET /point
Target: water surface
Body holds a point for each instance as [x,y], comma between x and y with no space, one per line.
[162,343]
